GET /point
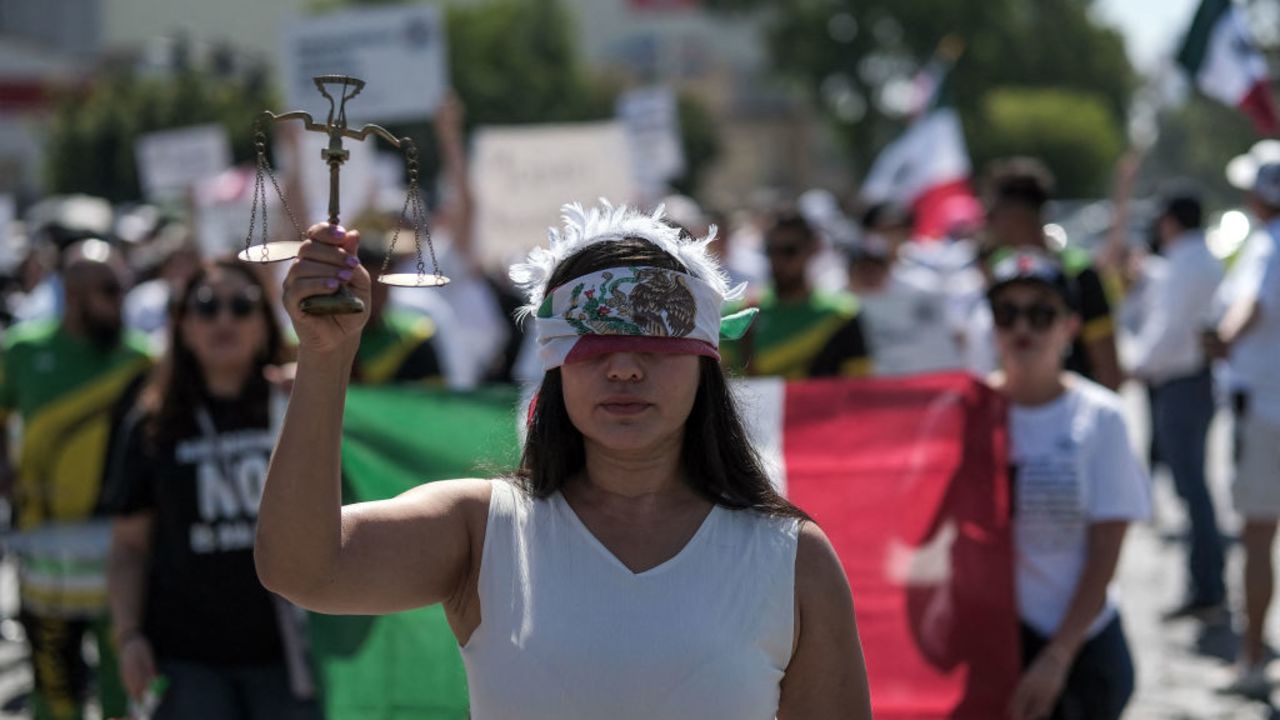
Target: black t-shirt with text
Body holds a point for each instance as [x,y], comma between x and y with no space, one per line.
[204,602]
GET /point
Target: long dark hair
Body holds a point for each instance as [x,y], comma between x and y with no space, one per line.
[716,454]
[176,387]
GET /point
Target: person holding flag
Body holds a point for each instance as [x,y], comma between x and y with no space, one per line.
[1077,486]
[639,564]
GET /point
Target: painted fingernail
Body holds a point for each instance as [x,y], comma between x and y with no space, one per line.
[331,283]
[345,275]
[353,261]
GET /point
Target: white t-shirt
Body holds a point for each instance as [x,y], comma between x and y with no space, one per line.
[1253,357]
[1073,466]
[910,326]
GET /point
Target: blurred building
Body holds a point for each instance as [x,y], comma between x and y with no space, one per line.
[45,47]
[769,136]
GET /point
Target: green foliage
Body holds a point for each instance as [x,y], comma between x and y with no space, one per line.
[91,137]
[1073,132]
[1196,141]
[512,62]
[516,61]
[862,44]
[701,143]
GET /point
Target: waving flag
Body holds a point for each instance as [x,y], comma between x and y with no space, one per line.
[1221,57]
[927,169]
[906,476]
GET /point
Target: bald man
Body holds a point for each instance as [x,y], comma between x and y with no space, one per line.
[65,378]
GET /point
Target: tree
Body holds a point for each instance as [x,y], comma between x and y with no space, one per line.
[1073,132]
[512,62]
[92,135]
[856,56]
[1197,140]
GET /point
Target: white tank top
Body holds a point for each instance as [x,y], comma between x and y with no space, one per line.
[567,632]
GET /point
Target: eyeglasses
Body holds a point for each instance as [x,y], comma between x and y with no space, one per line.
[206,305]
[1040,316]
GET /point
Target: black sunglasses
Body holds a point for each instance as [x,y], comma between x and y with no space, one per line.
[1040,316]
[206,305]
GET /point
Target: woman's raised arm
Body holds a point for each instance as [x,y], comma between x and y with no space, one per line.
[377,557]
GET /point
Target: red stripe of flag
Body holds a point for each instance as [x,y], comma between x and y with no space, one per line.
[1260,106]
[908,478]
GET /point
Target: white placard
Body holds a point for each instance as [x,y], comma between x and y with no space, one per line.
[9,247]
[522,175]
[170,162]
[653,127]
[398,51]
[357,177]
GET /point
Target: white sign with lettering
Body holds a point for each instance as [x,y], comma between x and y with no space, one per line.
[398,51]
[522,175]
[170,162]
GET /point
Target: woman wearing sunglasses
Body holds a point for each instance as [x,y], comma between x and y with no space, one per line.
[1077,485]
[186,479]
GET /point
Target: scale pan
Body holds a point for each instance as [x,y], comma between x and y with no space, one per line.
[413,280]
[270,252]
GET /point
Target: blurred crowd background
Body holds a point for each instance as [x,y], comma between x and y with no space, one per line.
[861,162]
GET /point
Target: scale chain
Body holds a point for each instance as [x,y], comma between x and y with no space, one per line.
[262,172]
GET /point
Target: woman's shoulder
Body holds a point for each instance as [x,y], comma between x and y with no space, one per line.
[761,523]
[820,578]
[1094,398]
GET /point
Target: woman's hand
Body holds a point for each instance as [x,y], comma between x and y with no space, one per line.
[327,260]
[137,665]
[1040,687]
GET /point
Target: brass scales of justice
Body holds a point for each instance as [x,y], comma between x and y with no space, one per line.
[341,301]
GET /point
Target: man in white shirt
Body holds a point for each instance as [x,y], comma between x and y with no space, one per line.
[1249,334]
[1167,354]
[911,323]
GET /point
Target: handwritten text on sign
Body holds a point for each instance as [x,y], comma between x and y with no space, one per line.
[398,51]
[522,175]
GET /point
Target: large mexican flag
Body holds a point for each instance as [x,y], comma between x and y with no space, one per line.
[1223,60]
[907,477]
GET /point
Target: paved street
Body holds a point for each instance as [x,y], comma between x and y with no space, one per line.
[1179,665]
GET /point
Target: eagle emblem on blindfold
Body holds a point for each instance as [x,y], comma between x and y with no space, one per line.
[662,304]
[659,304]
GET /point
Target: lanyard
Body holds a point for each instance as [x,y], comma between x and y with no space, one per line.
[275,407]
[210,432]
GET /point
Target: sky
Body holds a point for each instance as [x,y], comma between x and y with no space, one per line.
[1152,28]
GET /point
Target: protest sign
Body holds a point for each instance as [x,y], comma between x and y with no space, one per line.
[9,247]
[653,129]
[170,162]
[522,175]
[398,51]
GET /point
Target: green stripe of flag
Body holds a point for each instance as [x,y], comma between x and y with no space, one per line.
[407,665]
[1196,44]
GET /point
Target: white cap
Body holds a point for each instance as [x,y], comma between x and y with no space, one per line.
[1258,171]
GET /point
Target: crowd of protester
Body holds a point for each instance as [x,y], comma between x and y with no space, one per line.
[144,381]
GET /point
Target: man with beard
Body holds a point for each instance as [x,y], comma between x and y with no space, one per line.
[65,379]
[801,332]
